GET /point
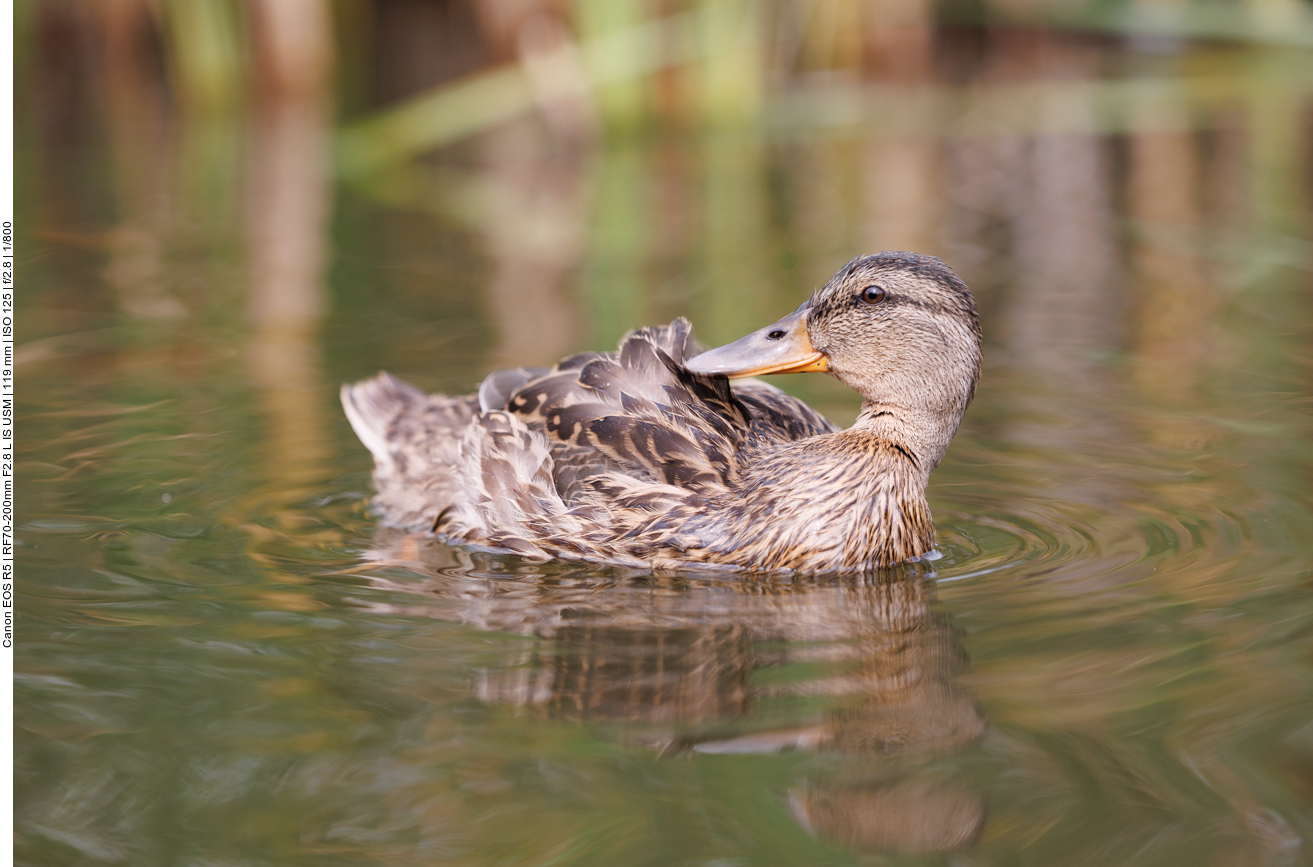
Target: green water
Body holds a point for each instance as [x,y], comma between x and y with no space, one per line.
[222,659]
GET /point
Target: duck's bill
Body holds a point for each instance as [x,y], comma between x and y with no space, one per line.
[780,348]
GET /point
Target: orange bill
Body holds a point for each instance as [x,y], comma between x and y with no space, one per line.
[780,348]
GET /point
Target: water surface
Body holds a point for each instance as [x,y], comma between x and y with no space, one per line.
[223,659]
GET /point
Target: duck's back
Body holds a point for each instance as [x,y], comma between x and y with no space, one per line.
[567,461]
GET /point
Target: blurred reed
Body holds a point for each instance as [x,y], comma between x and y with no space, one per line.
[716,62]
[892,82]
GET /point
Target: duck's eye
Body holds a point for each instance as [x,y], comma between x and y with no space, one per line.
[873,294]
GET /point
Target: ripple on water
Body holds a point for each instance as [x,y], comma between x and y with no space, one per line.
[1049,537]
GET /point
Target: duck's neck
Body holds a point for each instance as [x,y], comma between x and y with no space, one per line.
[888,520]
[923,436]
[845,501]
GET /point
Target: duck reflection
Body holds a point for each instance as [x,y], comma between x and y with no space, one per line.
[614,673]
[701,663]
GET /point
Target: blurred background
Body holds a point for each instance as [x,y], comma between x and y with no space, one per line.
[1104,174]
[227,208]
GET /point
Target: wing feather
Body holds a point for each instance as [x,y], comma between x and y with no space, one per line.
[600,449]
[641,410]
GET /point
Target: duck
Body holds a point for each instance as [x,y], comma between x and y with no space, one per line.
[663,456]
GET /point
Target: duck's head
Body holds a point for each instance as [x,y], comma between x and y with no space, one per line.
[899,328]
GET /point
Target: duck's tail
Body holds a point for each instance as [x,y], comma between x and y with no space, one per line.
[414,438]
[373,405]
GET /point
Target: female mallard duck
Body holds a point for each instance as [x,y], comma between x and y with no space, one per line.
[648,457]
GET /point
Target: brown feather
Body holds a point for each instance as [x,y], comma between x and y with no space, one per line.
[629,457]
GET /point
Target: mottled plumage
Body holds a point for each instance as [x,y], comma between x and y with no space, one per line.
[648,456]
